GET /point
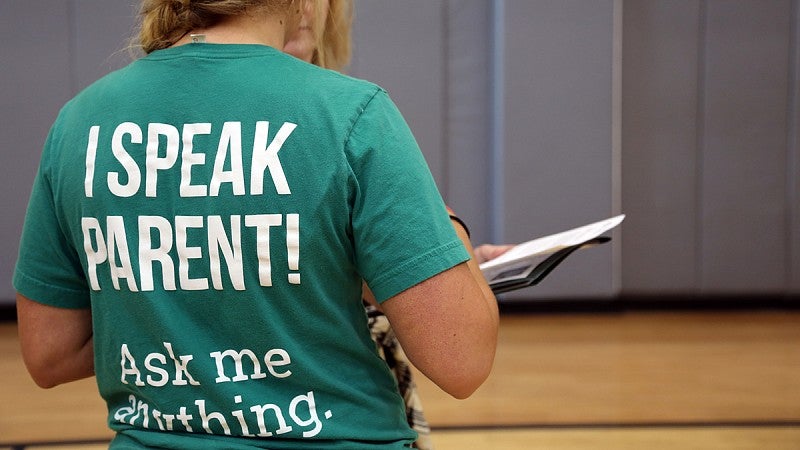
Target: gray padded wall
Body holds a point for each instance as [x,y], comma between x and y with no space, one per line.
[744,146]
[710,118]
[793,158]
[102,37]
[35,60]
[53,49]
[660,66]
[514,106]
[433,58]
[557,132]
[469,187]
[400,45]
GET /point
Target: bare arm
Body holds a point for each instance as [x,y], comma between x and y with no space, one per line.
[56,342]
[447,326]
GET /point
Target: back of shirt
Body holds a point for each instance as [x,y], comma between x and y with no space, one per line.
[217,206]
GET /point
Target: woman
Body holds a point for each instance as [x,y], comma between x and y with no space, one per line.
[199,230]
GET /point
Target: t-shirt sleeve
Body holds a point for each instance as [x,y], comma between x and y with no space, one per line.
[48,268]
[401,228]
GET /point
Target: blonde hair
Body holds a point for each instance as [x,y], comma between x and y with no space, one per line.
[164,22]
[333,43]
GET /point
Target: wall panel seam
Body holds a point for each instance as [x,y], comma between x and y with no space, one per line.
[72,46]
[497,177]
[700,141]
[446,74]
[616,140]
[792,148]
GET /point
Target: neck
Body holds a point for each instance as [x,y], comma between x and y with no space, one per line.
[263,29]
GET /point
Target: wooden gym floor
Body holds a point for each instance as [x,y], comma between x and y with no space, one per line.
[615,380]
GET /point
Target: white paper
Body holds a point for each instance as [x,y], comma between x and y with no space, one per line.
[532,251]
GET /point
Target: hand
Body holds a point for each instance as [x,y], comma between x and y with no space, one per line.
[487,252]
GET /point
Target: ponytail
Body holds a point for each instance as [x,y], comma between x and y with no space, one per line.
[165,22]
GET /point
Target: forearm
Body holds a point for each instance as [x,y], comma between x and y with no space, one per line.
[448,325]
[447,329]
[56,343]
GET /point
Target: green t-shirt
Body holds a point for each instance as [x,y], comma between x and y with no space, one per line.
[217,207]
